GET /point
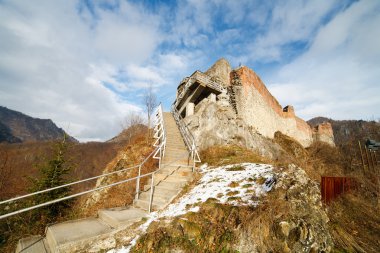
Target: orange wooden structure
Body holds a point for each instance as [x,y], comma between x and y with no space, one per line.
[332,187]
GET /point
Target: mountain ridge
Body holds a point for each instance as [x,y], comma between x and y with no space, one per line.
[17,127]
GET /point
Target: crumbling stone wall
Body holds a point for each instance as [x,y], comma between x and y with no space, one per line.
[324,133]
[251,105]
[259,109]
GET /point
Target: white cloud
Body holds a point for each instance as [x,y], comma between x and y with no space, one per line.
[290,21]
[85,66]
[338,76]
[54,62]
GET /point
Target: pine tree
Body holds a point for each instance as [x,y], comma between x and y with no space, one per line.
[53,173]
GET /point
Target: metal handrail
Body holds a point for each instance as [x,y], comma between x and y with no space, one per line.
[72,196]
[160,135]
[159,148]
[187,136]
[65,185]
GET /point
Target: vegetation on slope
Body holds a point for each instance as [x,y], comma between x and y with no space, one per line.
[86,160]
[354,217]
[230,154]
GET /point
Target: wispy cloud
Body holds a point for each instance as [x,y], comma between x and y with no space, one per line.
[338,76]
[85,64]
[57,62]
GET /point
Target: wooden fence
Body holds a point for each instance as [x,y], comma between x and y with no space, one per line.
[332,187]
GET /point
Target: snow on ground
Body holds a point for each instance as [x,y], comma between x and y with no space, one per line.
[232,184]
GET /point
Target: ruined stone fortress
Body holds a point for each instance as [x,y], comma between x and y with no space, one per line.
[227,105]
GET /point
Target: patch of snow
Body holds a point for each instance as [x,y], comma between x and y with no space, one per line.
[233,184]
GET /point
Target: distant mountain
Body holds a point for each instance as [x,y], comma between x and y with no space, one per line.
[350,130]
[17,127]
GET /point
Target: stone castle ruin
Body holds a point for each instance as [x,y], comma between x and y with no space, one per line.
[225,106]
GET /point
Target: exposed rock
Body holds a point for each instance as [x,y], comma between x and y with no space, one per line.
[299,223]
[289,218]
[214,123]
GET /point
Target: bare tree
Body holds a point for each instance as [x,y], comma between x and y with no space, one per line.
[150,102]
[132,124]
[132,119]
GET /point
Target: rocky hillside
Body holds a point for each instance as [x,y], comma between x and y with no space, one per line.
[16,127]
[236,208]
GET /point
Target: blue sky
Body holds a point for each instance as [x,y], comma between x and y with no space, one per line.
[85,64]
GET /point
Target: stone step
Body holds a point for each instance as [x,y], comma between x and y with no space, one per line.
[121,216]
[176,161]
[180,147]
[32,244]
[158,195]
[144,204]
[75,231]
[164,165]
[174,136]
[175,142]
[167,185]
[176,152]
[174,148]
[175,171]
[170,178]
[174,157]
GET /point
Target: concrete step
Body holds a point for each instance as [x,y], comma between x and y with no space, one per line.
[121,216]
[176,161]
[172,147]
[172,185]
[144,204]
[167,185]
[176,154]
[164,165]
[168,159]
[32,244]
[174,134]
[185,173]
[169,178]
[162,190]
[176,149]
[75,231]
[175,144]
[157,196]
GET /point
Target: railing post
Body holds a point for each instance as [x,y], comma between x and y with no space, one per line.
[159,160]
[138,184]
[193,155]
[151,193]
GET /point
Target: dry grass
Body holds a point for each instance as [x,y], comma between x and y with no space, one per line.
[355,224]
[218,228]
[230,154]
[123,194]
[95,159]
[355,219]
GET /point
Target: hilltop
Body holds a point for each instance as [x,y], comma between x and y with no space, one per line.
[16,127]
[346,130]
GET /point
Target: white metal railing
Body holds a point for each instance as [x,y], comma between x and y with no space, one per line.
[198,76]
[157,153]
[160,136]
[187,136]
